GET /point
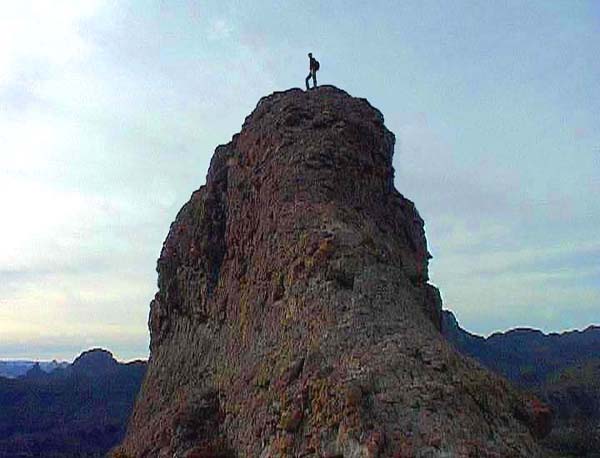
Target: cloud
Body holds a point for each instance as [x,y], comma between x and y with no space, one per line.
[85,307]
[38,33]
[219,29]
[68,256]
[106,129]
[503,253]
[124,345]
[110,112]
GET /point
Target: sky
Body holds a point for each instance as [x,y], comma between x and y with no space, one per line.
[110,112]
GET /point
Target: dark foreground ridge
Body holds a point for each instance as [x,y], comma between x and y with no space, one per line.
[76,410]
[294,315]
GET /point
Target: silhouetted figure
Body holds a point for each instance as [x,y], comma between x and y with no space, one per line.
[313,68]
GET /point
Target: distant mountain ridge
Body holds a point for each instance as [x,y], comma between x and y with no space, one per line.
[95,361]
[17,368]
[524,355]
[79,409]
[563,369]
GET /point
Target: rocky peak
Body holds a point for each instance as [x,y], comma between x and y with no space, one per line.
[94,362]
[35,372]
[294,315]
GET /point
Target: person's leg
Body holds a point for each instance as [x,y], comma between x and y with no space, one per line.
[314,75]
[306,81]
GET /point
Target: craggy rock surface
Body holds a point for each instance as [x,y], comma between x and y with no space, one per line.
[294,317]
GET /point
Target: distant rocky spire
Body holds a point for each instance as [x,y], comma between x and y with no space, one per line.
[94,362]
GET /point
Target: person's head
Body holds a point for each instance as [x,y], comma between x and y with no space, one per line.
[310,54]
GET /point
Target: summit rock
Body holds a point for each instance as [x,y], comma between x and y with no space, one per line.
[294,315]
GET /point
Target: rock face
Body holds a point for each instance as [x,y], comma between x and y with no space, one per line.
[294,317]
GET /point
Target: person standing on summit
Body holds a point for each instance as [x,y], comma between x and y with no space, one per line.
[313,68]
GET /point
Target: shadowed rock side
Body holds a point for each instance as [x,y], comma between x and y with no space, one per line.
[294,317]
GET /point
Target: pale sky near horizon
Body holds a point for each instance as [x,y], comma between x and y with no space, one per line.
[110,112]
